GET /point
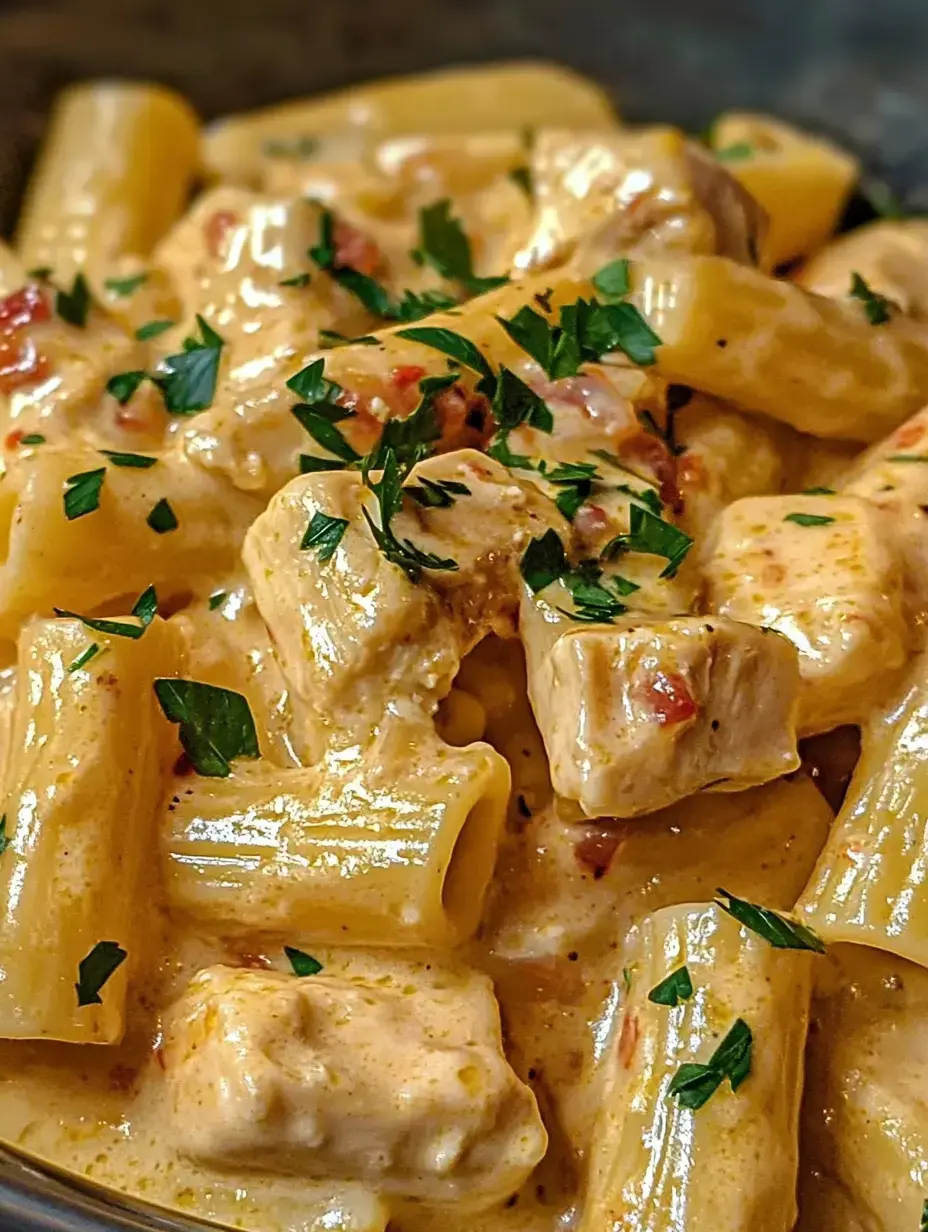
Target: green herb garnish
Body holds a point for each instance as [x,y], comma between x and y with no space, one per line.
[32,438]
[612,280]
[216,725]
[125,286]
[400,552]
[302,964]
[324,533]
[877,307]
[522,178]
[162,517]
[94,970]
[736,153]
[436,493]
[695,1084]
[82,495]
[444,245]
[300,147]
[457,347]
[151,329]
[217,599]
[675,988]
[894,457]
[4,839]
[298,280]
[73,306]
[809,519]
[135,461]
[819,492]
[188,380]
[779,931]
[84,658]
[652,536]
[544,561]
[124,384]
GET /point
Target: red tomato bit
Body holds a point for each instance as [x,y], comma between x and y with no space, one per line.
[667,695]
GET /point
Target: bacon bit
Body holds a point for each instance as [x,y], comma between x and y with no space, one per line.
[691,471]
[667,696]
[122,1077]
[646,448]
[594,853]
[216,230]
[628,1040]
[590,520]
[20,365]
[27,306]
[409,374]
[13,438]
[355,250]
[464,418]
[909,434]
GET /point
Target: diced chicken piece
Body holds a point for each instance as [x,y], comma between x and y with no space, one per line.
[602,193]
[826,572]
[891,256]
[644,713]
[404,1087]
[893,475]
[354,633]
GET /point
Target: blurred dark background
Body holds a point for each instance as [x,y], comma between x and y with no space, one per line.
[857,69]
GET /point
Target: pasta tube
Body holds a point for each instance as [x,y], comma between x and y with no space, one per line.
[393,845]
[891,256]
[114,547]
[801,181]
[500,96]
[113,174]
[768,346]
[657,1163]
[81,788]
[869,884]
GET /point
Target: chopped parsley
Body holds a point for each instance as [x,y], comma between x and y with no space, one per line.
[94,970]
[145,609]
[401,552]
[82,495]
[73,306]
[217,599]
[820,491]
[575,479]
[809,519]
[586,331]
[331,338]
[877,307]
[695,1084]
[124,384]
[436,493]
[647,497]
[136,461]
[444,245]
[612,280]
[151,329]
[125,286]
[736,153]
[597,597]
[216,725]
[675,988]
[894,457]
[457,347]
[302,963]
[324,533]
[4,839]
[41,272]
[162,517]
[522,178]
[776,929]
[544,561]
[318,413]
[298,280]
[32,438]
[409,439]
[652,536]
[188,380]
[84,658]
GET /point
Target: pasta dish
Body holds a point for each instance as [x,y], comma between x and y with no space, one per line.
[464,564]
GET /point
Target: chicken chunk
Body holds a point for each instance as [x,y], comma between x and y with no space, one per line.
[404,1087]
[823,571]
[641,714]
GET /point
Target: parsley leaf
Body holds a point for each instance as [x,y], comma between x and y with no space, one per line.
[318,413]
[298,280]
[83,493]
[73,306]
[652,536]
[777,930]
[162,517]
[310,384]
[401,552]
[675,988]
[84,658]
[877,307]
[437,493]
[515,403]
[737,153]
[409,438]
[151,329]
[146,606]
[534,334]
[695,1084]
[324,533]
[576,480]
[809,519]
[522,178]
[647,497]
[188,380]
[215,724]
[94,970]
[612,280]
[33,438]
[894,457]
[825,491]
[4,840]
[137,461]
[444,245]
[543,561]
[302,963]
[310,464]
[597,598]
[586,331]
[217,599]
[124,384]
[41,272]
[330,338]
[125,286]
[458,347]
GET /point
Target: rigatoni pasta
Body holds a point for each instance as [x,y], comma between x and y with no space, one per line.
[422,557]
